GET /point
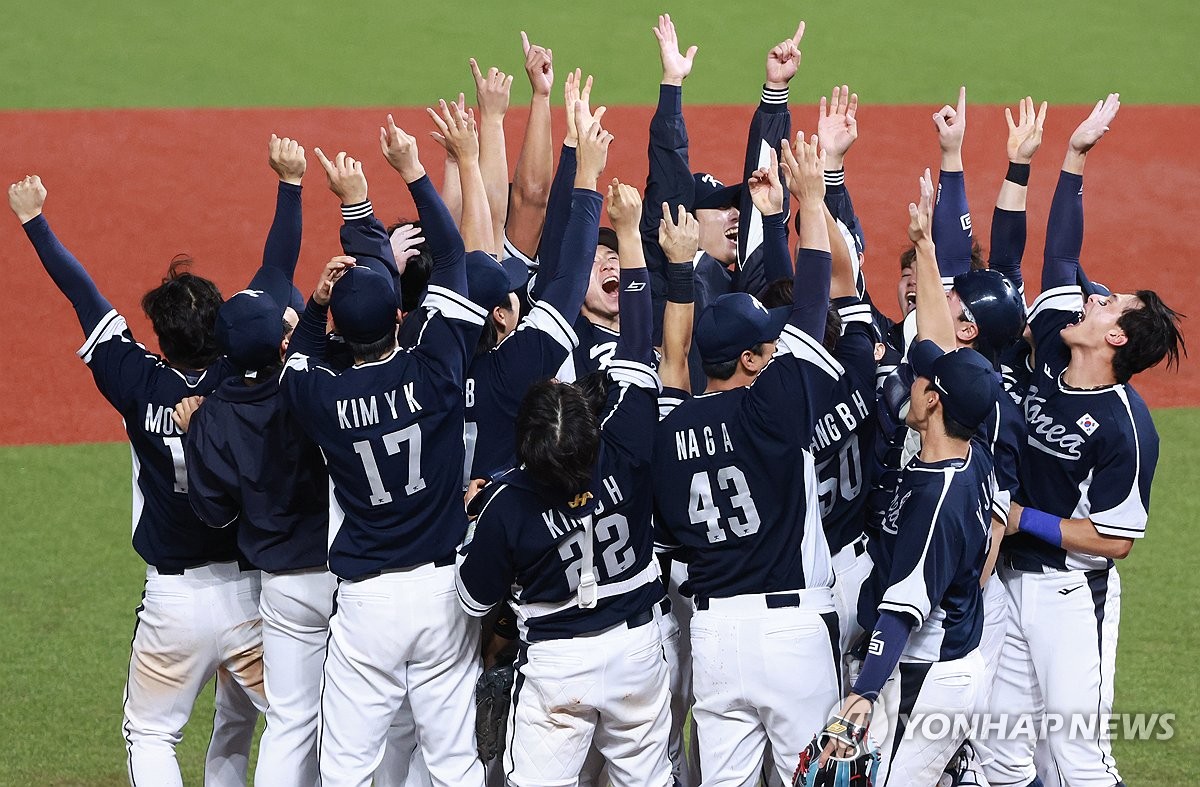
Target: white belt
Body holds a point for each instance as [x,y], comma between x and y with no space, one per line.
[538,609]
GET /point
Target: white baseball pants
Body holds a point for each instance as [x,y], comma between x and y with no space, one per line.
[1059,657]
[761,673]
[400,635]
[851,566]
[610,688]
[188,626]
[295,610]
[922,701]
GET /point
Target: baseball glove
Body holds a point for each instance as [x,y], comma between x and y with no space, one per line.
[856,769]
[493,693]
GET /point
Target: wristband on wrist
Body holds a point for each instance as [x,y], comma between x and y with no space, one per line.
[1040,525]
[1018,173]
[681,282]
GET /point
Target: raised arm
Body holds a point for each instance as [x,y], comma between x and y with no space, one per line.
[1009,218]
[566,289]
[767,194]
[625,212]
[679,239]
[456,131]
[951,214]
[26,198]
[535,164]
[771,122]
[558,209]
[1064,228]
[810,286]
[445,243]
[282,248]
[310,337]
[934,320]
[492,95]
[669,177]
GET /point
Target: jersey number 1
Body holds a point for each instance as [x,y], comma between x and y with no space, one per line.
[391,443]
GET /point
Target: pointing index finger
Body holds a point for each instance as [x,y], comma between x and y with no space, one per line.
[799,34]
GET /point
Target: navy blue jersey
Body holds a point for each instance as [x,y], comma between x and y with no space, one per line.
[250,465]
[736,487]
[1088,453]
[392,435]
[524,545]
[594,352]
[144,389]
[845,432]
[592,564]
[1016,370]
[542,342]
[934,541]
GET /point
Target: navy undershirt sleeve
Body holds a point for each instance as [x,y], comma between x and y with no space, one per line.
[68,274]
[892,630]
[445,243]
[952,241]
[810,292]
[1064,233]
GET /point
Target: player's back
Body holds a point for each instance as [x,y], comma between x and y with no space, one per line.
[144,389]
[391,431]
[739,498]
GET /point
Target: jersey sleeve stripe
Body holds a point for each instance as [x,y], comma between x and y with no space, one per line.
[860,312]
[801,345]
[112,326]
[545,318]
[633,373]
[512,251]
[466,601]
[454,306]
[1065,299]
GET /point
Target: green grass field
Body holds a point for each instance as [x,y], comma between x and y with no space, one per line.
[68,577]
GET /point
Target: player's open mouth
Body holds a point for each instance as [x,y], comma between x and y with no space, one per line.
[910,299]
[731,234]
[610,285]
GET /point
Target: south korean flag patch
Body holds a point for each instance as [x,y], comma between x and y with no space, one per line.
[1088,424]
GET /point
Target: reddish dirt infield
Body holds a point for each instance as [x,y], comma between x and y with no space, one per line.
[130,189]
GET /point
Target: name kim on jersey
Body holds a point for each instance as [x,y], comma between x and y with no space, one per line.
[360,411]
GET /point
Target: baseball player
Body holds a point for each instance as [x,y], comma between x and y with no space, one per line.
[736,494]
[925,586]
[1084,492]
[542,341]
[396,515]
[199,609]
[584,580]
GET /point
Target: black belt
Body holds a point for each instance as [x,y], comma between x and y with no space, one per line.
[772,601]
[860,546]
[441,562]
[664,606]
[639,619]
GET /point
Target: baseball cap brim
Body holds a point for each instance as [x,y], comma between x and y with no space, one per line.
[518,273]
[922,355]
[608,237]
[777,319]
[720,198]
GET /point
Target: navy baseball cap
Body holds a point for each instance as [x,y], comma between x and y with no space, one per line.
[734,323]
[489,282]
[363,305]
[712,193]
[966,381]
[608,237]
[250,329]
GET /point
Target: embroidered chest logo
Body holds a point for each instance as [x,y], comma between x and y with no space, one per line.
[893,512]
[1088,424]
[580,500]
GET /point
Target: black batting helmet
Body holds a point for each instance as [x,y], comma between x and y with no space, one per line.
[991,301]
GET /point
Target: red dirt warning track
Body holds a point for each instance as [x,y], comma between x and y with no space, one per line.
[130,189]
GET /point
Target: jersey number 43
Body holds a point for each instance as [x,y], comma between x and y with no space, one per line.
[702,509]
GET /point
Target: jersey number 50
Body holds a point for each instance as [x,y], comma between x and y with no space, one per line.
[702,509]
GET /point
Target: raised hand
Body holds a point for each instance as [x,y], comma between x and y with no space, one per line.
[951,123]
[593,147]
[766,192]
[837,124]
[491,92]
[1025,137]
[678,238]
[400,150]
[346,178]
[334,270]
[576,91]
[539,67]
[26,198]
[287,159]
[405,241]
[1089,132]
[675,66]
[456,130]
[624,207]
[783,60]
[805,170]
[920,214]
